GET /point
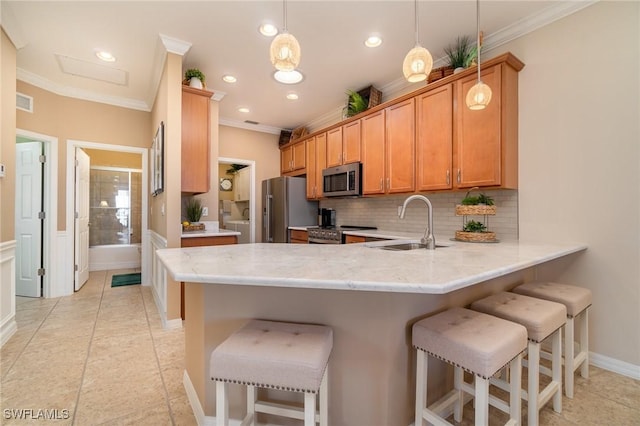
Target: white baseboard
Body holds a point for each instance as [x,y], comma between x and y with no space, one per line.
[198,412]
[8,324]
[614,365]
[7,330]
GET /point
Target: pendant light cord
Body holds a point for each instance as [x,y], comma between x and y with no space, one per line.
[284,14]
[415,14]
[478,46]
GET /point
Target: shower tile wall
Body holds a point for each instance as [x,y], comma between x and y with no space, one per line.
[382,212]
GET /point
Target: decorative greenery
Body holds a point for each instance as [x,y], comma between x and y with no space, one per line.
[194,209]
[462,54]
[194,72]
[474,226]
[234,168]
[471,200]
[357,103]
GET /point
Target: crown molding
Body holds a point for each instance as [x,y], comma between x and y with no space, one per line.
[12,28]
[174,45]
[222,121]
[70,92]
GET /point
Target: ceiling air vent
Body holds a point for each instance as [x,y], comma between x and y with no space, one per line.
[24,102]
[251,122]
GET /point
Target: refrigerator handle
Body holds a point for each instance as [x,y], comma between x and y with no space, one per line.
[268,215]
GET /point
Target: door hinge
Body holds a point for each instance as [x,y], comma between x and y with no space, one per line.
[41,272]
[42,215]
[77,215]
[75,268]
[77,163]
[42,158]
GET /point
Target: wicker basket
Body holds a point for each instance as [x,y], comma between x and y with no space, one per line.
[476,237]
[193,227]
[372,95]
[462,210]
[439,73]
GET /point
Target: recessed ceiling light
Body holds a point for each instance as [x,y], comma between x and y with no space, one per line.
[267,29]
[288,77]
[292,96]
[229,78]
[373,41]
[244,109]
[105,56]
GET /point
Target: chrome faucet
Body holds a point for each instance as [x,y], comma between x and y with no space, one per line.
[246,209]
[428,239]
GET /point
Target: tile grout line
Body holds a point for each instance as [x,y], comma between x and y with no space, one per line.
[155,352]
[86,360]
[30,339]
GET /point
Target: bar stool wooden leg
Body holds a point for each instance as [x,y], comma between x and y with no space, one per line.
[515,380]
[309,409]
[222,404]
[250,419]
[584,342]
[534,385]
[421,385]
[458,376]
[324,398]
[556,369]
[482,401]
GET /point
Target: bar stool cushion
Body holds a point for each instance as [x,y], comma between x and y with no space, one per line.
[540,317]
[277,355]
[479,343]
[576,299]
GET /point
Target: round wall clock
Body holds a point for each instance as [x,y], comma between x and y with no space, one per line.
[226,184]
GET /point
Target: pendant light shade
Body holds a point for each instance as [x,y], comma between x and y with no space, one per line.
[479,96]
[418,63]
[285,49]
[285,52]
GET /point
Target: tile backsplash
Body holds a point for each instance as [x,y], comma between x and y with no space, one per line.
[382,212]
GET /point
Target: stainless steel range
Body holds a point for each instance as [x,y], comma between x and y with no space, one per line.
[319,235]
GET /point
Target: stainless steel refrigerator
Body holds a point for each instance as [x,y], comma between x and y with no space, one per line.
[284,204]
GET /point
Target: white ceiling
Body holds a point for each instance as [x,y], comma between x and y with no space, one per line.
[224,39]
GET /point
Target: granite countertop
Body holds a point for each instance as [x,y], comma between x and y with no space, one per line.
[358,266]
[209,233]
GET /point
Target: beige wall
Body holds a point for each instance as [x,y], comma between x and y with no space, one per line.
[256,146]
[70,118]
[103,158]
[8,134]
[579,159]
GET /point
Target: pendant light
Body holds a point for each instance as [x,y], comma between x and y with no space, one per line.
[285,49]
[418,63]
[479,96]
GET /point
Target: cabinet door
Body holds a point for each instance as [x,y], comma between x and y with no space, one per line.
[334,147]
[312,165]
[195,140]
[321,162]
[479,137]
[400,147]
[373,154]
[286,159]
[242,185]
[299,159]
[351,142]
[434,144]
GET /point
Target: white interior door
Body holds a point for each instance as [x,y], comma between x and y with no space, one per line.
[28,224]
[83,164]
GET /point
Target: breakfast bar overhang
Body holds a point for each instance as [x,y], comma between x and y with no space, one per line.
[369,296]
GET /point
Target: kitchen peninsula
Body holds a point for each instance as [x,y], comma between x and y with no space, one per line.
[369,296]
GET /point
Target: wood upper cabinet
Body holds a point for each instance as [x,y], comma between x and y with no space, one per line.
[242,187]
[195,140]
[316,162]
[486,143]
[373,153]
[343,144]
[434,139]
[293,158]
[400,147]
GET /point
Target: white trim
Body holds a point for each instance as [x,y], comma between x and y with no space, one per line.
[174,45]
[252,195]
[8,325]
[196,407]
[50,256]
[158,280]
[62,277]
[222,121]
[70,184]
[614,365]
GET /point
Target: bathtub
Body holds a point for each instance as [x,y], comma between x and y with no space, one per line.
[114,257]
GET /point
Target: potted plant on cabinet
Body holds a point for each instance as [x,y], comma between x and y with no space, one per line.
[194,78]
[461,54]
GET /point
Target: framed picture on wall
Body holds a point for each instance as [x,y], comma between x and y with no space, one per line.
[157,161]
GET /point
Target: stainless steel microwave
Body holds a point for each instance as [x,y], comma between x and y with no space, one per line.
[342,181]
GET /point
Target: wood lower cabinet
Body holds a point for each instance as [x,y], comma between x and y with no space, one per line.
[195,140]
[316,162]
[434,139]
[350,239]
[298,236]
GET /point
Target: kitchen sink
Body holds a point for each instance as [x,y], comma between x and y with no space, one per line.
[396,245]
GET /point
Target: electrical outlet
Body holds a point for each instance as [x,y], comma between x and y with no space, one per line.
[205,211]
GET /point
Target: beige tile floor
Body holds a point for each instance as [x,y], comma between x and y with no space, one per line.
[102,355]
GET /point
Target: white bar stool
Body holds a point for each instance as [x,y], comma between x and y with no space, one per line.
[277,355]
[577,300]
[474,342]
[542,319]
